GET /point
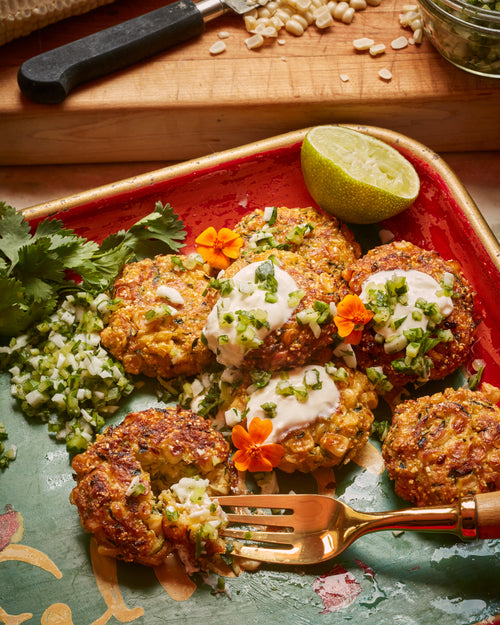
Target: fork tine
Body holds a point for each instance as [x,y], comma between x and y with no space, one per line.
[257,501]
[280,538]
[266,554]
[276,520]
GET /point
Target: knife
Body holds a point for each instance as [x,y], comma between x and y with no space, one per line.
[48,77]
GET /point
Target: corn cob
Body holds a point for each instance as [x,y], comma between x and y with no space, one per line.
[21,17]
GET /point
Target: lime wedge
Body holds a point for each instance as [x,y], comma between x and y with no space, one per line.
[356,177]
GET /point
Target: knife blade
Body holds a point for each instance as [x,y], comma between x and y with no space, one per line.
[49,77]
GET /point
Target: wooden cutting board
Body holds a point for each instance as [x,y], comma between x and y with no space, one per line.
[185,103]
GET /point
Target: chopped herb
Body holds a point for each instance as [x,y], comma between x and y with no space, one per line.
[171,513]
[6,455]
[224,285]
[198,543]
[379,380]
[265,278]
[312,380]
[474,380]
[177,264]
[270,409]
[62,375]
[339,374]
[295,297]
[211,401]
[260,378]
[297,234]
[380,429]
[270,215]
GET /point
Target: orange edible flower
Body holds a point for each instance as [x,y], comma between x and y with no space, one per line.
[253,455]
[351,318]
[218,248]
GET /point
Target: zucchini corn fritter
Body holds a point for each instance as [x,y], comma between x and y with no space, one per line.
[131,495]
[446,344]
[292,344]
[156,330]
[327,440]
[445,446]
[326,244]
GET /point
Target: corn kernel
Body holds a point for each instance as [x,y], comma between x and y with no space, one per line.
[256,41]
[378,48]
[348,15]
[399,43]
[418,35]
[363,44]
[385,74]
[324,20]
[19,18]
[294,27]
[340,9]
[217,48]
[301,20]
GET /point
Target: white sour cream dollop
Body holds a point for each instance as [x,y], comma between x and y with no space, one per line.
[292,414]
[246,295]
[420,286]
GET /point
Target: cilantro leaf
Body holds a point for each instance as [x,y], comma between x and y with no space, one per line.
[33,267]
[162,226]
[37,261]
[17,310]
[104,267]
[15,232]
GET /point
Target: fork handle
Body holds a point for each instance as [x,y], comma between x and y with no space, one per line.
[470,517]
[488,515]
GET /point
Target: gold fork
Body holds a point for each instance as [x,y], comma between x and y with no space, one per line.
[313,528]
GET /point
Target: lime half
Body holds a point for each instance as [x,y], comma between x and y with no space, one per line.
[356,177]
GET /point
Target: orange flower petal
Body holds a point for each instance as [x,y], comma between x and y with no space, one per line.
[352,307]
[351,317]
[241,460]
[259,463]
[273,453]
[208,237]
[215,258]
[259,430]
[347,305]
[225,236]
[344,326]
[217,248]
[232,249]
[240,437]
[252,455]
[354,338]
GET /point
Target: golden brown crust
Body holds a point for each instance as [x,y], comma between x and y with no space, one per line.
[159,345]
[444,446]
[292,344]
[160,447]
[446,357]
[330,247]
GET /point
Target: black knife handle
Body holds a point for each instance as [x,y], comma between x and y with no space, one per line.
[50,76]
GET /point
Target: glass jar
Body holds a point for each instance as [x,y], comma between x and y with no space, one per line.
[466,35]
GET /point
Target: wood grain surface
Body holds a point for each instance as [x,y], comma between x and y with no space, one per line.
[185,103]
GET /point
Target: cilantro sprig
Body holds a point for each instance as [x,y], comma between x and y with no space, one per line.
[34,266]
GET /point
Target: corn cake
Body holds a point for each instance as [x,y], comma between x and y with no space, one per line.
[445,446]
